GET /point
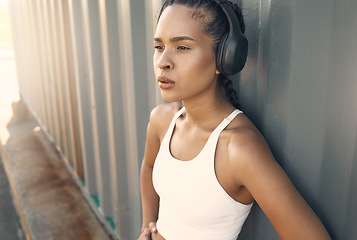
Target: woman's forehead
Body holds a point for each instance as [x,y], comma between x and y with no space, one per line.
[178,20]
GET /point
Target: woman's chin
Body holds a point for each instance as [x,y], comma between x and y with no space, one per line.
[168,98]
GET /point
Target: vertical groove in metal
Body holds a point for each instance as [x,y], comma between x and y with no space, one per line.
[68,135]
[76,141]
[56,90]
[111,162]
[37,59]
[42,41]
[53,128]
[93,108]
[81,91]
[129,112]
[31,71]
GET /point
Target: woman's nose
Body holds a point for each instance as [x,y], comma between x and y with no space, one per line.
[165,61]
[165,66]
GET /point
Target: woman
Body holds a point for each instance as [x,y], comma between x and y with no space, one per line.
[205,162]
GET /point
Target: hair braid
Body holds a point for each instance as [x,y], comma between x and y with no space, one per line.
[229,90]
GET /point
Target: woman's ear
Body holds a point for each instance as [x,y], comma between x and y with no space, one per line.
[217,72]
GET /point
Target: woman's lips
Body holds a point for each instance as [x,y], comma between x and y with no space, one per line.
[165,83]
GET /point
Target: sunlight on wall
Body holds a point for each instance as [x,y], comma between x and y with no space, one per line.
[5,28]
[8,78]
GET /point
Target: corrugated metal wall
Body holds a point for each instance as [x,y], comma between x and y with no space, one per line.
[299,87]
[85,70]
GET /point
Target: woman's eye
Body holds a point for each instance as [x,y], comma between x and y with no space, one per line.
[158,47]
[183,48]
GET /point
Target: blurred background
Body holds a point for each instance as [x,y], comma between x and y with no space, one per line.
[8,77]
[84,70]
[10,227]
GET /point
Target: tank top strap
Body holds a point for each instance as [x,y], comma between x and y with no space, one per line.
[225,122]
[172,125]
[176,116]
[217,131]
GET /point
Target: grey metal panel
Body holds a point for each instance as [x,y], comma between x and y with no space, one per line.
[129,109]
[64,62]
[118,173]
[38,59]
[113,188]
[99,105]
[71,88]
[83,95]
[139,43]
[308,112]
[338,167]
[47,116]
[49,81]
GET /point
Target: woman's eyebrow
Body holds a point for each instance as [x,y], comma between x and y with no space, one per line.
[181,38]
[176,39]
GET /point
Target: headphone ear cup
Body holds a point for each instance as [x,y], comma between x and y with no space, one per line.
[233,49]
[220,56]
[241,54]
[236,51]
[231,54]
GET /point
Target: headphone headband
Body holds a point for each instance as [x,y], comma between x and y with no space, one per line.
[231,15]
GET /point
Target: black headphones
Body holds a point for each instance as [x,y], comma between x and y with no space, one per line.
[233,48]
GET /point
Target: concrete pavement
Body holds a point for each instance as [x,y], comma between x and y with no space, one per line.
[10,226]
[48,202]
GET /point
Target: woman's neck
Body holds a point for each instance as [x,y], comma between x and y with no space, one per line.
[207,111]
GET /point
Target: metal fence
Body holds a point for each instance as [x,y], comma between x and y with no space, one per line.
[85,70]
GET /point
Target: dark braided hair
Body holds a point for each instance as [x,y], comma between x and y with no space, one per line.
[215,24]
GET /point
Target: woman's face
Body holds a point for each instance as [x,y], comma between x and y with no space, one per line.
[184,62]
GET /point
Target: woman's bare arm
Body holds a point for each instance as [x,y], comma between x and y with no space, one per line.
[259,172]
[160,119]
[149,198]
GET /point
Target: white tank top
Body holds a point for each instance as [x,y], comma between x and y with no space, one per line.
[193,204]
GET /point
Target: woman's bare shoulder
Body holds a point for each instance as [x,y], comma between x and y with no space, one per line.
[166,108]
[246,143]
[161,116]
[164,112]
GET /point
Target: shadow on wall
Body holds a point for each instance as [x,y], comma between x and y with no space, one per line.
[338,180]
[299,88]
[350,230]
[264,87]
